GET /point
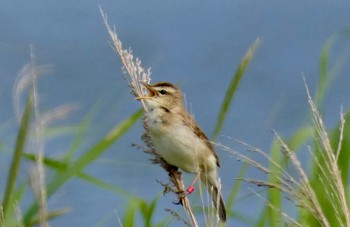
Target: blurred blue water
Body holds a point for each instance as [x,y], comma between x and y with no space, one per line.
[197,44]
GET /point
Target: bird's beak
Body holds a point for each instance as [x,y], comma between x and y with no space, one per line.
[152,92]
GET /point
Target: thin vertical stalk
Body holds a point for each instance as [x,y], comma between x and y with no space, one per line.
[17,155]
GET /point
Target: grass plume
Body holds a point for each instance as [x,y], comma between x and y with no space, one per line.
[137,76]
[302,189]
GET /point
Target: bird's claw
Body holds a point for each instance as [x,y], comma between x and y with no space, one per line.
[179,202]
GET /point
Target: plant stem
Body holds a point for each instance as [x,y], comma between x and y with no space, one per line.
[15,164]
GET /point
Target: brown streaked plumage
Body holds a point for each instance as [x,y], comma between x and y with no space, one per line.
[178,139]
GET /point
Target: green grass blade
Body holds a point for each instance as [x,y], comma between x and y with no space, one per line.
[263,218]
[61,166]
[271,214]
[51,215]
[130,212]
[233,87]
[59,131]
[300,137]
[96,151]
[136,205]
[15,164]
[274,195]
[52,163]
[16,196]
[89,156]
[236,186]
[79,136]
[324,72]
[321,173]
[344,154]
[106,186]
[148,212]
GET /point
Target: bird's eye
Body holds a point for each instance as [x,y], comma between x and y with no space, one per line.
[163,92]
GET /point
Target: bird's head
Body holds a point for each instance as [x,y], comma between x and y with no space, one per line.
[163,95]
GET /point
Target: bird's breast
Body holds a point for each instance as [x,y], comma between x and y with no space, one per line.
[179,145]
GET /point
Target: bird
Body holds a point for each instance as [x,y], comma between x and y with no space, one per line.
[179,140]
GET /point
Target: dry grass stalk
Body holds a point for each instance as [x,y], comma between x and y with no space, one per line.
[39,128]
[307,198]
[178,216]
[292,221]
[331,160]
[341,134]
[285,182]
[27,78]
[137,76]
[299,188]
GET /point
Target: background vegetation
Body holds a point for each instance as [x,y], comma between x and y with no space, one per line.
[309,169]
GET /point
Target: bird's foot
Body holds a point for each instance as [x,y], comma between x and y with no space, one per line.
[167,188]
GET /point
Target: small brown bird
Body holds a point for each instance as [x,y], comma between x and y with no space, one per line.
[178,139]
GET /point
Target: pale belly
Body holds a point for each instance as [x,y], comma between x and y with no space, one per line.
[182,148]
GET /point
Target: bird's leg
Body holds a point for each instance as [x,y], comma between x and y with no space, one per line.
[190,188]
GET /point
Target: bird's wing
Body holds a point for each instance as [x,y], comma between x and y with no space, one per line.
[194,126]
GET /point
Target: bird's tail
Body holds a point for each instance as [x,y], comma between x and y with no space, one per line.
[212,182]
[218,202]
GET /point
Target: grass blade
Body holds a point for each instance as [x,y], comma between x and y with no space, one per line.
[147,211]
[15,164]
[106,186]
[324,72]
[62,166]
[79,136]
[233,87]
[344,145]
[235,189]
[89,156]
[52,163]
[274,195]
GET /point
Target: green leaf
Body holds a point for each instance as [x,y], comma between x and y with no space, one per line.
[16,196]
[233,87]
[263,219]
[79,137]
[274,195]
[149,211]
[344,153]
[130,211]
[236,186]
[300,137]
[52,163]
[62,166]
[89,156]
[109,187]
[51,215]
[328,74]
[324,80]
[17,155]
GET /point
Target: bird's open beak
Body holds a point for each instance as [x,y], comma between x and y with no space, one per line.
[152,92]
